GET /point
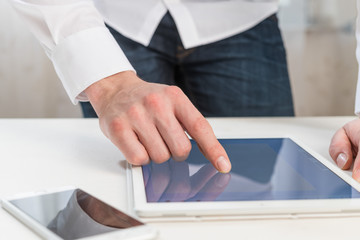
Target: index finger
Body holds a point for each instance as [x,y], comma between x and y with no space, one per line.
[200,130]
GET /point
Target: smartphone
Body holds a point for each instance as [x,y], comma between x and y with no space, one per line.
[71,213]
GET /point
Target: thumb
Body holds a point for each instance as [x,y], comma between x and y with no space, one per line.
[340,149]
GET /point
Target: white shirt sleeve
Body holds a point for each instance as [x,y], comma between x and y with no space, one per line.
[357,99]
[76,40]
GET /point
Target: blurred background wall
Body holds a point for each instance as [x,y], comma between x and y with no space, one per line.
[29,86]
[320,40]
[319,36]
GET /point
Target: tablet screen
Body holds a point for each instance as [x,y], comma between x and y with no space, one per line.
[262,169]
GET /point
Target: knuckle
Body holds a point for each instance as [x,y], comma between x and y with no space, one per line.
[200,126]
[173,91]
[117,125]
[138,159]
[182,150]
[161,157]
[134,112]
[154,101]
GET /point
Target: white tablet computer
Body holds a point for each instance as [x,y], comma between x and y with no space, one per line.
[269,176]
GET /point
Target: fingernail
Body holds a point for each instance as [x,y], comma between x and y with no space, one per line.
[223,165]
[341,160]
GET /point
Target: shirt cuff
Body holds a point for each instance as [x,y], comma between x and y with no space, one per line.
[85,58]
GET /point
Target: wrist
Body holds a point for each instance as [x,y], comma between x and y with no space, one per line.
[101,91]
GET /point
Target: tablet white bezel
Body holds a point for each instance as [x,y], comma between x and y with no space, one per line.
[242,208]
[138,232]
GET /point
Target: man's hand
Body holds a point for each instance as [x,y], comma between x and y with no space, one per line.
[344,147]
[147,121]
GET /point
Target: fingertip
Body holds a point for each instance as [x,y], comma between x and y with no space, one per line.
[223,164]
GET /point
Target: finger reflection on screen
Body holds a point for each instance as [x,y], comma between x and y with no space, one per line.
[172,182]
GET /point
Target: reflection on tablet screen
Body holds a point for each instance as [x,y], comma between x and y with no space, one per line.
[262,169]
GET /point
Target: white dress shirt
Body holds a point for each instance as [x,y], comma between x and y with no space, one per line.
[83,51]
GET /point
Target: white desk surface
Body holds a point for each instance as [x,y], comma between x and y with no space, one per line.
[37,154]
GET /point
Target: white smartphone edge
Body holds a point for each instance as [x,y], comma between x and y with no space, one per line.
[248,209]
[133,233]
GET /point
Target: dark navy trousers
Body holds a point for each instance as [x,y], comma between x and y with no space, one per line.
[243,75]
